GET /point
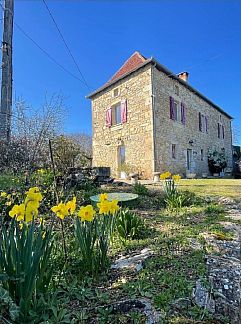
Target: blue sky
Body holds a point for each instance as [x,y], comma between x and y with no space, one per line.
[202,37]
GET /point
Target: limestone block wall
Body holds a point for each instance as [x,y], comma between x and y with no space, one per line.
[168,132]
[136,134]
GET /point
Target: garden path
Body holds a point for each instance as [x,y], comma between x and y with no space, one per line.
[224,267]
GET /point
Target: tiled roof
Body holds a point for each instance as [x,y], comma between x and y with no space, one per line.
[136,62]
[131,64]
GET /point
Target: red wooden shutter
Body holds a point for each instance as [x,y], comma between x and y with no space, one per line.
[124,111]
[108,117]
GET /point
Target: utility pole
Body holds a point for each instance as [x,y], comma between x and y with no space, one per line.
[6,87]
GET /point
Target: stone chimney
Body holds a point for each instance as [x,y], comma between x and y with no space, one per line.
[183,76]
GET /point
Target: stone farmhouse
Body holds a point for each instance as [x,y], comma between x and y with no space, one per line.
[147,119]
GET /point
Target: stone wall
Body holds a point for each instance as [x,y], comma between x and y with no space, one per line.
[168,132]
[136,134]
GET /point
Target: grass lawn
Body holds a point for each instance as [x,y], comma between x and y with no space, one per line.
[213,187]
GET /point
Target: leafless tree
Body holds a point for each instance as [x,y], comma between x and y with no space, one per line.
[84,141]
[31,130]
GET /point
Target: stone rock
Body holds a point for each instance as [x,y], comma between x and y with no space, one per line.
[133,262]
[224,270]
[195,244]
[203,298]
[142,304]
[182,303]
[225,248]
[226,201]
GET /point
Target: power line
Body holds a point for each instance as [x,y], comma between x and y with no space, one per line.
[66,45]
[44,51]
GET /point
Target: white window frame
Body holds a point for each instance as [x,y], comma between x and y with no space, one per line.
[116,119]
[176,111]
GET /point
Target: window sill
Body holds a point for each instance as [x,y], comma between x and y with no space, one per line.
[178,122]
[116,127]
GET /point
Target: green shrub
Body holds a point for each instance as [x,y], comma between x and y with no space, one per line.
[140,189]
[24,263]
[214,209]
[176,199]
[129,225]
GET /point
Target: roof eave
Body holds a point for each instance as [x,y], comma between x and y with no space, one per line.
[169,74]
[174,76]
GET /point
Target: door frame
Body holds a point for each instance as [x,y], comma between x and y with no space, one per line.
[189,159]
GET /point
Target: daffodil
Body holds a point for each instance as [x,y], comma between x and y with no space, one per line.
[60,210]
[41,171]
[33,204]
[103,197]
[30,213]
[176,177]
[165,175]
[18,211]
[34,194]
[104,207]
[113,206]
[3,194]
[86,213]
[71,206]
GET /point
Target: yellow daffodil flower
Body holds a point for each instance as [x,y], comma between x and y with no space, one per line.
[86,213]
[71,206]
[30,213]
[41,171]
[176,177]
[3,194]
[60,210]
[104,207]
[103,196]
[113,206]
[165,175]
[33,204]
[34,194]
[18,211]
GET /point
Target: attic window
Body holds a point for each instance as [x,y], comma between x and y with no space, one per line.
[176,89]
[116,92]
